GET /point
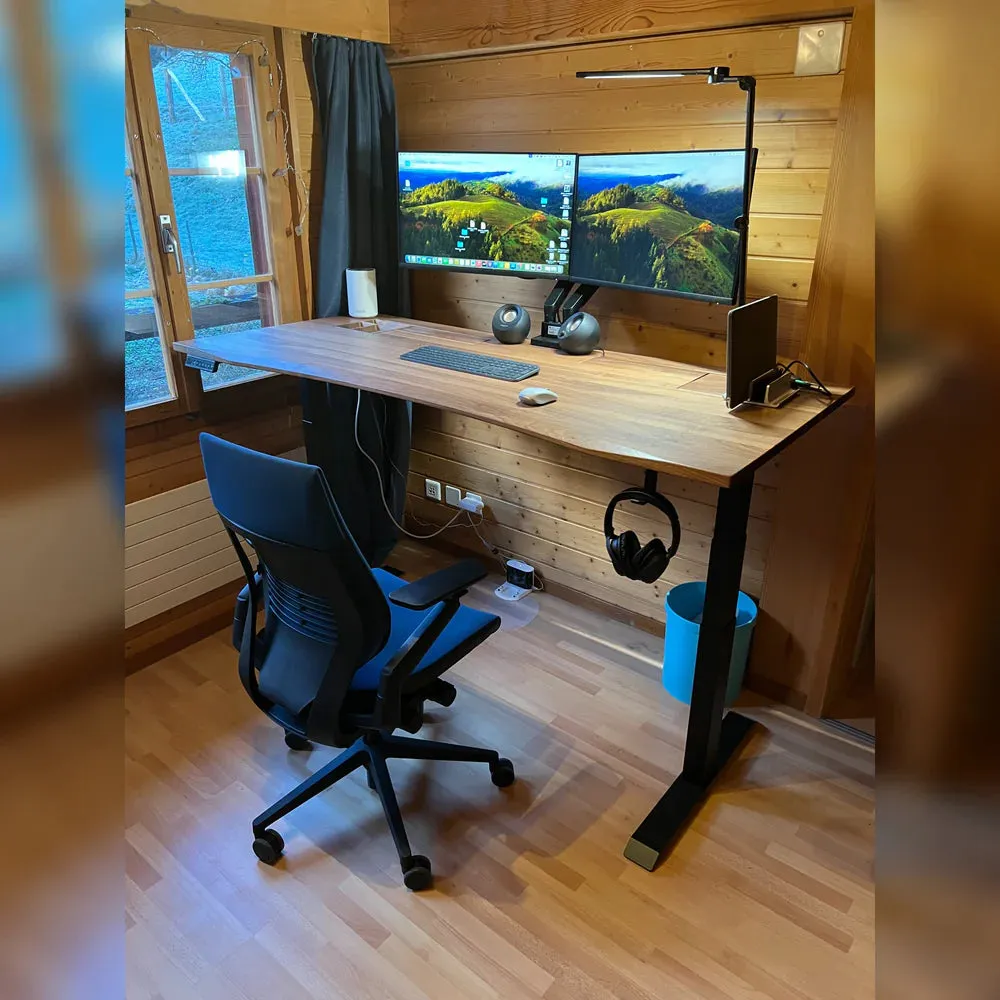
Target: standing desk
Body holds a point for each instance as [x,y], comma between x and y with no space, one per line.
[659,415]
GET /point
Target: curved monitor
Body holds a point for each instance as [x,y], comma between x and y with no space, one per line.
[506,213]
[660,222]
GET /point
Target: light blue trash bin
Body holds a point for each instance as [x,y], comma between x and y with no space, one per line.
[680,645]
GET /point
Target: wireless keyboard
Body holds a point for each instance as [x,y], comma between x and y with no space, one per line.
[472,364]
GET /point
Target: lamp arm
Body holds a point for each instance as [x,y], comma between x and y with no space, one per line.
[749,85]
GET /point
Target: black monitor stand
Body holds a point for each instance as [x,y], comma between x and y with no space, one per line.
[565,299]
[743,227]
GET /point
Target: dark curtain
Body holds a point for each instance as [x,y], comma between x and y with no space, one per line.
[356,105]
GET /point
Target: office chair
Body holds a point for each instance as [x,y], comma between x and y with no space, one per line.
[347,654]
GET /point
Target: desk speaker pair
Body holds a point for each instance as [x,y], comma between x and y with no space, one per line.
[579,334]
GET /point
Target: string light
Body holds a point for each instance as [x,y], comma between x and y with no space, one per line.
[301,184]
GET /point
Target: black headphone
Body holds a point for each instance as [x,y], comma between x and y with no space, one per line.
[629,558]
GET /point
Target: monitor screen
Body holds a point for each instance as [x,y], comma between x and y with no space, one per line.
[502,212]
[663,222]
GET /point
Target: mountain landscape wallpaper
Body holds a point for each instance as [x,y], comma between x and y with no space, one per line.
[665,221]
[486,206]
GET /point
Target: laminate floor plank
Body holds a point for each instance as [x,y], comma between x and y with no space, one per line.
[770,894]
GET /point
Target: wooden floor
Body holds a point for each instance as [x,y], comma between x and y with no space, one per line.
[769,894]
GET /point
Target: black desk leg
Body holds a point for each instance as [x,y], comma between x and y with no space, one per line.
[711,739]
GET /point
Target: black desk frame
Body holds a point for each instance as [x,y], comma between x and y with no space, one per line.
[713,735]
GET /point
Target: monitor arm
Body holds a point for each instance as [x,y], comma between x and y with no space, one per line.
[566,298]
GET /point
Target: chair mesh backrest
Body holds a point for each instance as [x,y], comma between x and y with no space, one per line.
[310,616]
[316,582]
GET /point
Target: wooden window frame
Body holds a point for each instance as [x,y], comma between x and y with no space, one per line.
[154,195]
[154,260]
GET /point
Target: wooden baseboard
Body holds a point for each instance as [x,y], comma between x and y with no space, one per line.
[172,630]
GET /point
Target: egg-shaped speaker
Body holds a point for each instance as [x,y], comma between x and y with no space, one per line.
[511,324]
[579,334]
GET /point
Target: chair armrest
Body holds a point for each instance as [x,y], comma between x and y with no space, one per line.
[451,582]
[396,672]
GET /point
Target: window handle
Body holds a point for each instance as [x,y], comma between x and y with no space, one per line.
[168,241]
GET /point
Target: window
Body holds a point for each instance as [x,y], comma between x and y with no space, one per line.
[205,110]
[148,378]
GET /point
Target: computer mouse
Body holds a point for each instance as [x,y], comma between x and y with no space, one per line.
[537,396]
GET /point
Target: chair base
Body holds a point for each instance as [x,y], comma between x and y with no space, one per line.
[372,751]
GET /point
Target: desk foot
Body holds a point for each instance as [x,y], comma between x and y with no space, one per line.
[670,816]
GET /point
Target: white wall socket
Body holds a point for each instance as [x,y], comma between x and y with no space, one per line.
[452,494]
[432,489]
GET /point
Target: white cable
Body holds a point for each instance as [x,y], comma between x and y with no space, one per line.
[381,488]
[537,585]
[492,549]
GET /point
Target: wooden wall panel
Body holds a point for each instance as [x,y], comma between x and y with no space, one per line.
[165,455]
[532,100]
[546,504]
[306,141]
[623,105]
[810,622]
[642,324]
[422,28]
[368,19]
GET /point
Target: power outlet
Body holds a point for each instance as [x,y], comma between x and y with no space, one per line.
[452,494]
[432,489]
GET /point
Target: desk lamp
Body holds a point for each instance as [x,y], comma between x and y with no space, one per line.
[714,75]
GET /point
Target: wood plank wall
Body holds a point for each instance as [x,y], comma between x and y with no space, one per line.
[806,640]
[367,19]
[532,101]
[420,28]
[165,455]
[306,140]
[546,503]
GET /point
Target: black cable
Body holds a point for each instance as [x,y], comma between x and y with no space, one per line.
[802,383]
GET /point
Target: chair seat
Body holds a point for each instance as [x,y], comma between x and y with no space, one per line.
[466,630]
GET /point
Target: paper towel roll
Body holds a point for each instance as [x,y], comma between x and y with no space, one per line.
[362,295]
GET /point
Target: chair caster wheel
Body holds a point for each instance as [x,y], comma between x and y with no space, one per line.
[268,847]
[502,773]
[294,742]
[417,874]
